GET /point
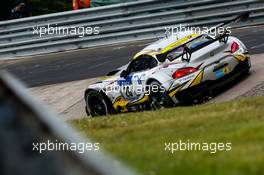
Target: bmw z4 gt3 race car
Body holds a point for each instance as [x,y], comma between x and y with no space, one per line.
[174,70]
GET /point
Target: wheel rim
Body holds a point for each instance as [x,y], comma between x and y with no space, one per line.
[156,97]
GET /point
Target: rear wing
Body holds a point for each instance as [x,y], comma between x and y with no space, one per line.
[235,20]
[221,37]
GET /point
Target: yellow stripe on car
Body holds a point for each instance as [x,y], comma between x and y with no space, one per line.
[173,92]
[141,53]
[142,100]
[179,42]
[169,47]
[240,57]
[198,79]
[120,104]
[145,52]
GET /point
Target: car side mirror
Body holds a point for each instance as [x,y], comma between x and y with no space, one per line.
[124,74]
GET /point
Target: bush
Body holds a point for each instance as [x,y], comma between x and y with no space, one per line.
[36,7]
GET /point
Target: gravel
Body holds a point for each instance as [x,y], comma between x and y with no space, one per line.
[258,90]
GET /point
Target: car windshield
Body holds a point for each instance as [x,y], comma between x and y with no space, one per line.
[143,62]
[193,45]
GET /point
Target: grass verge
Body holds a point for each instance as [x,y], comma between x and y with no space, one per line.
[139,138]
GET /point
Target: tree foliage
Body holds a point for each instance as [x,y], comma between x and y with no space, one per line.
[36,7]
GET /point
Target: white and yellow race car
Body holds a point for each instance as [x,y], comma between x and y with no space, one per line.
[179,69]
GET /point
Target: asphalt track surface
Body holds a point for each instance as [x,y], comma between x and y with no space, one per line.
[94,62]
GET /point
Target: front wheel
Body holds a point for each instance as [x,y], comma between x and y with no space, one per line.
[96,104]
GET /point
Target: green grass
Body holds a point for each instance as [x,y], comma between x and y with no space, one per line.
[138,138]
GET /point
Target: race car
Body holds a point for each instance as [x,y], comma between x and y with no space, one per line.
[175,70]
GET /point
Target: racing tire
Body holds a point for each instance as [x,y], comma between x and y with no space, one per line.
[96,104]
[158,97]
[248,68]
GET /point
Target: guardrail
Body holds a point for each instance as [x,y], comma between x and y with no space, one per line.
[26,123]
[120,23]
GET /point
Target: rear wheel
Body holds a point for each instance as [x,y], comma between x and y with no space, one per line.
[247,71]
[158,96]
[96,104]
